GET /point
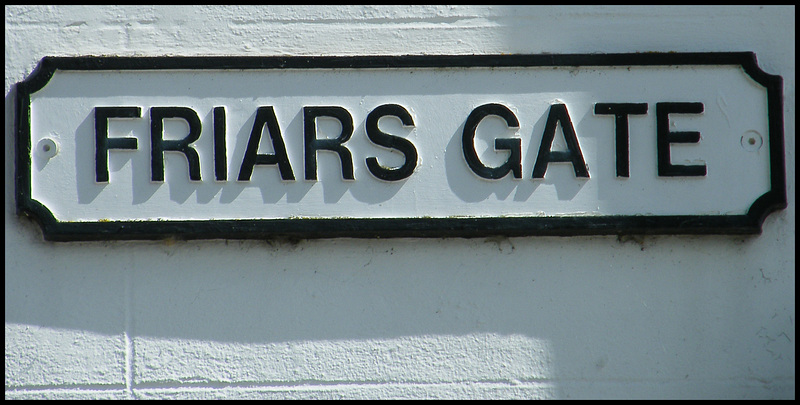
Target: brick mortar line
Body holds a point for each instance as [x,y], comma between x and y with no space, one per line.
[344,384]
[129,345]
[236,20]
[455,21]
[510,383]
[67,387]
[267,386]
[388,25]
[320,383]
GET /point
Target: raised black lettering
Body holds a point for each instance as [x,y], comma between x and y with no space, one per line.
[664,137]
[558,113]
[312,144]
[265,116]
[390,141]
[103,143]
[620,111]
[514,162]
[158,145]
[220,150]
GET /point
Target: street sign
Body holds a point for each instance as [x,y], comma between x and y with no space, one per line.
[399,146]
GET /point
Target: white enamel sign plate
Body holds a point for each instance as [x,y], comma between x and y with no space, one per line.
[137,148]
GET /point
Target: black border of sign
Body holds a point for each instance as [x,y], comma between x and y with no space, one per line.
[750,223]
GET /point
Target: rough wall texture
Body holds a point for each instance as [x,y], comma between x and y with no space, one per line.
[582,317]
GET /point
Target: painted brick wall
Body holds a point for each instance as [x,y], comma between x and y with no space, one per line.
[580,317]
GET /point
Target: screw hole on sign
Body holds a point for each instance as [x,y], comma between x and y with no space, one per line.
[752,141]
[48,148]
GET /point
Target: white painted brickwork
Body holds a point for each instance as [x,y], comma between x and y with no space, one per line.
[581,317]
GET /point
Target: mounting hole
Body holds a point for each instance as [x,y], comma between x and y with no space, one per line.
[752,141]
[47,148]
